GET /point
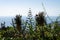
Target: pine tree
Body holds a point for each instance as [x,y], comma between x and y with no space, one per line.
[40,22]
[18,22]
[3,26]
[30,23]
[40,19]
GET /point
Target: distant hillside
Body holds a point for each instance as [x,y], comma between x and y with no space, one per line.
[8,20]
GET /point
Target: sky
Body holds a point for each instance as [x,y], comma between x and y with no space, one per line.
[14,7]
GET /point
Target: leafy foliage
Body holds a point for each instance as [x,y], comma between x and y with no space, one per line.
[40,32]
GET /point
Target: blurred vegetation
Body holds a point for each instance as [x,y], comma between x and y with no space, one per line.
[30,29]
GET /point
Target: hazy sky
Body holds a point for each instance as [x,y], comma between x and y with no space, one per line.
[13,7]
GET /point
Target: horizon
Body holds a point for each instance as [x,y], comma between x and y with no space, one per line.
[8,20]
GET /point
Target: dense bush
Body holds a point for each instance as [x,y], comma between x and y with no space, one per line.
[40,31]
